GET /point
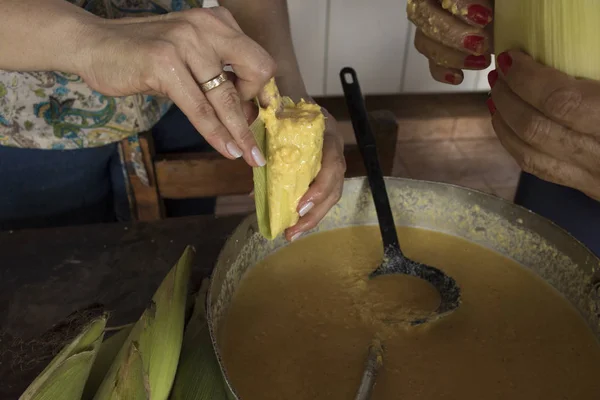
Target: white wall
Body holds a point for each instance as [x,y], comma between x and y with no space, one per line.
[372,36]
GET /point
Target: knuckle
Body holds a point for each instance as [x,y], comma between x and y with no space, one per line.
[221,12]
[563,103]
[204,110]
[421,43]
[266,67]
[184,30]
[318,192]
[214,134]
[537,129]
[338,194]
[310,223]
[230,99]
[528,164]
[246,137]
[163,54]
[215,18]
[198,14]
[340,164]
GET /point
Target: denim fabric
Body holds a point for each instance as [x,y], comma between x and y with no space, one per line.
[572,210]
[46,188]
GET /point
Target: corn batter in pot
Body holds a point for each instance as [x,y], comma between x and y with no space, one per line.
[301,322]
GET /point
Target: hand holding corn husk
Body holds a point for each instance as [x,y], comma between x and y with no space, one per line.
[305,167]
[546,103]
[454,35]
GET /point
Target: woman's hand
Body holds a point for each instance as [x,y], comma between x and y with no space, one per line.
[171,55]
[548,121]
[326,190]
[453,34]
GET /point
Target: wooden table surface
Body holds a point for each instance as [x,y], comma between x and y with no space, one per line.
[45,275]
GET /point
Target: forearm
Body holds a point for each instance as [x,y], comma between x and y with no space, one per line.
[267,23]
[41,35]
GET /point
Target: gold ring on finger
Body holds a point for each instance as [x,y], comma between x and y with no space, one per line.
[214,82]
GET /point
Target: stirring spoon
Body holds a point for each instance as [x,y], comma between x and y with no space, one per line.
[394,260]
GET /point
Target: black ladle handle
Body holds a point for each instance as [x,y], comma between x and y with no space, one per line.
[368,150]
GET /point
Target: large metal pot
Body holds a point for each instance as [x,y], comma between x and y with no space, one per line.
[531,240]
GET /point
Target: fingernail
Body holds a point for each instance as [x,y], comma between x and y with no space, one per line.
[451,78]
[234,150]
[258,157]
[476,61]
[504,62]
[474,43]
[492,77]
[306,208]
[479,14]
[491,106]
[296,236]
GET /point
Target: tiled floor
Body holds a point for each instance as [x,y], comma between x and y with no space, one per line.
[446,138]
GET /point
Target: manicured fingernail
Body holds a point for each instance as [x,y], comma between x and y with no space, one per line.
[474,43]
[491,106]
[492,77]
[234,150]
[306,208]
[476,62]
[479,14]
[258,157]
[504,62]
[296,236]
[451,78]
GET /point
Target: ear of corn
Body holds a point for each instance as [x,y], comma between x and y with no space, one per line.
[198,375]
[561,34]
[65,376]
[292,143]
[106,354]
[154,342]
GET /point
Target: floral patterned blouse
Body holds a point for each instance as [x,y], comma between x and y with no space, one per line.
[53,110]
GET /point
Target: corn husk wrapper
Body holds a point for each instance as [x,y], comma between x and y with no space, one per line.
[561,34]
[65,376]
[290,135]
[107,353]
[145,366]
[259,175]
[198,375]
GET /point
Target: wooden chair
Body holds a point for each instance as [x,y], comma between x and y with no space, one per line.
[194,175]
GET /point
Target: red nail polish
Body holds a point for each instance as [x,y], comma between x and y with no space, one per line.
[479,14]
[491,106]
[474,43]
[492,77]
[504,62]
[450,78]
[478,62]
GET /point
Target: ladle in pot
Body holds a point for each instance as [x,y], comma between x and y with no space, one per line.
[394,261]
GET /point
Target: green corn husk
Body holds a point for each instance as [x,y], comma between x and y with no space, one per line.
[106,355]
[131,378]
[260,181]
[65,376]
[148,360]
[198,375]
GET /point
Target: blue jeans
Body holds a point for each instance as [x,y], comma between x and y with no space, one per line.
[568,208]
[46,188]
